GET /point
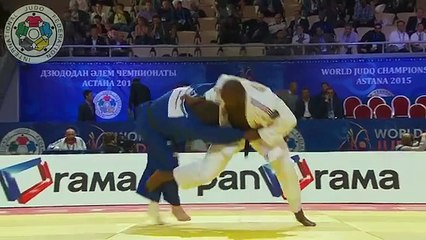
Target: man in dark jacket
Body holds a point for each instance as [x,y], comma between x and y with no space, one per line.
[139,94]
[86,110]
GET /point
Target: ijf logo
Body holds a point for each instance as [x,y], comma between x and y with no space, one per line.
[296,142]
[34,34]
[11,187]
[107,104]
[271,179]
[22,141]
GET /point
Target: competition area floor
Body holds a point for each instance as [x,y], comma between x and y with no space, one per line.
[237,222]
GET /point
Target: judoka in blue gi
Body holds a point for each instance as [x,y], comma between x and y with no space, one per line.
[173,118]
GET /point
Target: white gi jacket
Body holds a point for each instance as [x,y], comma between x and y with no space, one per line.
[264,110]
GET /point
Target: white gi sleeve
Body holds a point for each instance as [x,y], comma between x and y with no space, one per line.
[281,126]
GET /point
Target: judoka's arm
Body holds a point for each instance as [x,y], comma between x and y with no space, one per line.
[283,123]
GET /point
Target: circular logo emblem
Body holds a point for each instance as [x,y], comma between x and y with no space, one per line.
[295,141]
[381,93]
[34,34]
[22,141]
[107,104]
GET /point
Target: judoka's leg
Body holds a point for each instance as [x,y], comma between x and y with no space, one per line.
[205,170]
[279,158]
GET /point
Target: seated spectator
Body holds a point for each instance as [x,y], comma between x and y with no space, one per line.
[196,12]
[278,25]
[305,107]
[324,25]
[160,32]
[98,11]
[148,12]
[309,7]
[374,35]
[227,8]
[335,14]
[320,38]
[95,40]
[364,14]
[98,23]
[82,5]
[70,29]
[183,17]
[415,20]
[270,8]
[142,35]
[109,144]
[348,36]
[408,143]
[69,143]
[281,37]
[330,106]
[120,19]
[255,30]
[300,38]
[118,39]
[419,36]
[399,39]
[298,21]
[400,6]
[80,19]
[229,31]
[166,12]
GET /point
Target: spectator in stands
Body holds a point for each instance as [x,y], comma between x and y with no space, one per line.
[82,5]
[397,6]
[419,36]
[160,33]
[69,143]
[399,38]
[408,143]
[320,38]
[80,19]
[109,144]
[230,31]
[281,37]
[101,27]
[166,12]
[415,20]
[335,14]
[305,107]
[309,7]
[196,12]
[325,26]
[298,21]
[142,35]
[364,14]
[278,25]
[374,35]
[300,38]
[98,11]
[70,30]
[95,40]
[330,106]
[270,8]
[86,110]
[139,93]
[119,39]
[289,96]
[120,19]
[348,36]
[184,19]
[255,30]
[148,12]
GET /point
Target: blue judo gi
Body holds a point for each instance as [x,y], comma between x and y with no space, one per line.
[168,119]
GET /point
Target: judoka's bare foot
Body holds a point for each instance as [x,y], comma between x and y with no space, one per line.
[180,214]
[157,179]
[300,217]
[154,213]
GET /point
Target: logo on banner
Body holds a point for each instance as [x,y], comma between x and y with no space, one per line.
[381,93]
[229,179]
[34,34]
[11,188]
[22,141]
[108,104]
[295,141]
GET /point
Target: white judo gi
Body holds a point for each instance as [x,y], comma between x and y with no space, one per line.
[264,111]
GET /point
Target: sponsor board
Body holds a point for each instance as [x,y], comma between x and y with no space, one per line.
[385,177]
